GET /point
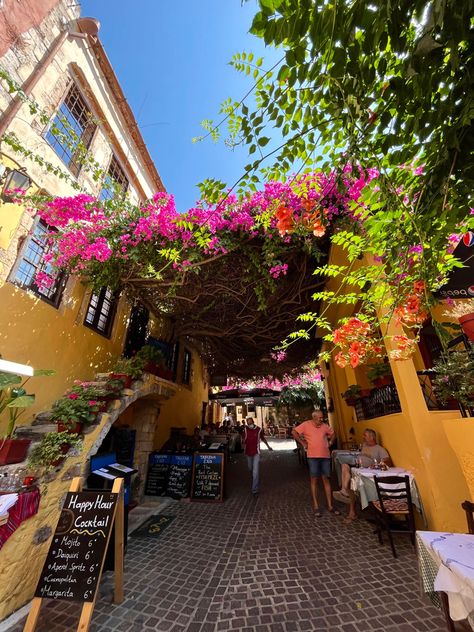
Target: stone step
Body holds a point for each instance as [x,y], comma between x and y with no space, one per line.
[42,418]
[35,433]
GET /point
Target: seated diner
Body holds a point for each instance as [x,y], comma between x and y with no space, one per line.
[371,455]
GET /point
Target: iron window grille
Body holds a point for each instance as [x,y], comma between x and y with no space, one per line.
[115,182]
[101,310]
[187,357]
[72,130]
[32,260]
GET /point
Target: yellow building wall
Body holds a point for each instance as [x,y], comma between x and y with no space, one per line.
[437,446]
[35,333]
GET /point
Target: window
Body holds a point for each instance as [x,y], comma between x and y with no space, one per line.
[186,366]
[101,311]
[71,130]
[115,181]
[32,260]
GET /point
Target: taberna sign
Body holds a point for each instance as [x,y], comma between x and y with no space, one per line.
[460,281]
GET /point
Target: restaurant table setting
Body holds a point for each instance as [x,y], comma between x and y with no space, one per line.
[362,482]
[446,563]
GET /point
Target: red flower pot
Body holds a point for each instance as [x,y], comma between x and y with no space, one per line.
[350,401]
[467,325]
[383,381]
[64,450]
[126,379]
[13,450]
[70,428]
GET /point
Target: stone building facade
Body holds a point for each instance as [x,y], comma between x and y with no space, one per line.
[57,61]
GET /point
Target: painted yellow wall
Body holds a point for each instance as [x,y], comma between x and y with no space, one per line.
[184,409]
[437,446]
[35,333]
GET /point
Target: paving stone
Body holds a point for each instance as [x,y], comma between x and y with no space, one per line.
[261,565]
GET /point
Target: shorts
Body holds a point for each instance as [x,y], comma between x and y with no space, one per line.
[319,467]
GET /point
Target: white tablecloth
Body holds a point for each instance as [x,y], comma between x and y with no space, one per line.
[362,482]
[452,555]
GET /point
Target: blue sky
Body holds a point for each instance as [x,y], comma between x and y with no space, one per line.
[171,59]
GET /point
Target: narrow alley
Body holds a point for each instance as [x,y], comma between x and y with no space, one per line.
[261,564]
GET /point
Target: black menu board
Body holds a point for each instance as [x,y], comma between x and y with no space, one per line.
[74,561]
[208,477]
[179,475]
[157,476]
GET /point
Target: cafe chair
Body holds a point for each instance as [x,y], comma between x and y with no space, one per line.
[394,501]
[282,433]
[469,509]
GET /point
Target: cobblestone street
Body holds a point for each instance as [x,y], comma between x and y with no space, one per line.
[263,565]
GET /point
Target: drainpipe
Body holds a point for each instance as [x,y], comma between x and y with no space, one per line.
[14,106]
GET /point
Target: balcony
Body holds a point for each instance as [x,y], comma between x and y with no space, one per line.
[380,402]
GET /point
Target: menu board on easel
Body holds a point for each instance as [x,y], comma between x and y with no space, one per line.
[75,559]
[208,477]
[179,476]
[157,475]
[75,556]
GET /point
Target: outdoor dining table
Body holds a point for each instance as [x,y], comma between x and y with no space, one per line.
[362,482]
[446,562]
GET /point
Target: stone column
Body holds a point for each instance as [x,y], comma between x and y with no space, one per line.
[146,413]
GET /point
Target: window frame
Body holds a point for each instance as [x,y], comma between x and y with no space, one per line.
[121,182]
[89,128]
[186,368]
[61,278]
[98,314]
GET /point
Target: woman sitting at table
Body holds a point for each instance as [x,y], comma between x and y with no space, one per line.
[371,454]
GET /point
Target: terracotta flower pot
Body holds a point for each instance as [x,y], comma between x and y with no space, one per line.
[383,381]
[467,325]
[350,401]
[70,428]
[13,450]
[64,450]
[126,379]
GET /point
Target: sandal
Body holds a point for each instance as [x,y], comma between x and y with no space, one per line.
[334,511]
[317,514]
[341,497]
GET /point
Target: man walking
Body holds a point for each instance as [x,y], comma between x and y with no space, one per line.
[316,437]
[251,438]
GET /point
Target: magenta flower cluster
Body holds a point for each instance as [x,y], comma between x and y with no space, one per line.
[89,233]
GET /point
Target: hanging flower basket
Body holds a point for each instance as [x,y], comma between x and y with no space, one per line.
[467,325]
[13,450]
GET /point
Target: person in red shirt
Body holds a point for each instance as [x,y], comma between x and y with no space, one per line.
[316,437]
[251,438]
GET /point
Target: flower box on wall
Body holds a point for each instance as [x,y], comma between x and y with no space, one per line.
[13,450]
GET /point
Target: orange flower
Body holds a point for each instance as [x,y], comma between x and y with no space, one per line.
[419,286]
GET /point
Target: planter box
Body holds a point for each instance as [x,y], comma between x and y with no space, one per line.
[159,371]
[64,450]
[383,381]
[13,450]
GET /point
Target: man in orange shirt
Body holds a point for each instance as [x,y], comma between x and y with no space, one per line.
[316,437]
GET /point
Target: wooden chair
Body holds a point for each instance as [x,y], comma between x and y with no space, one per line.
[469,509]
[394,500]
[282,432]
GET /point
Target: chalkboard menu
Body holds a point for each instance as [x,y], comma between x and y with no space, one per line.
[73,565]
[208,477]
[157,476]
[179,475]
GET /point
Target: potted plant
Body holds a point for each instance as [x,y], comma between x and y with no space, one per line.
[352,394]
[52,450]
[73,411]
[463,310]
[379,374]
[128,370]
[454,377]
[154,361]
[15,399]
